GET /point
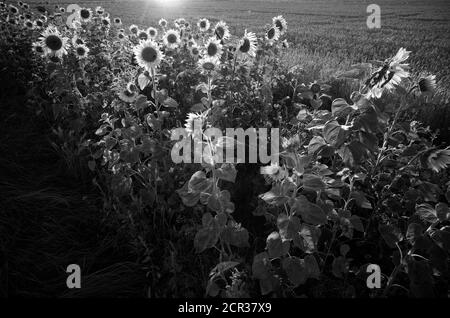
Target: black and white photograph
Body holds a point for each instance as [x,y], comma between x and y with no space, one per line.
[225,154]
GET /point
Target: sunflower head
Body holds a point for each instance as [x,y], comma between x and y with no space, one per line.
[194,51]
[142,35]
[81,51]
[247,44]
[134,29]
[117,21]
[148,54]
[280,23]
[272,35]
[208,65]
[13,9]
[53,42]
[213,48]
[38,48]
[427,84]
[203,24]
[222,31]
[99,10]
[29,24]
[152,32]
[106,22]
[274,172]
[172,39]
[85,14]
[162,23]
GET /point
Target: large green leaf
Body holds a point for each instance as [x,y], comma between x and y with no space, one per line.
[310,212]
[295,269]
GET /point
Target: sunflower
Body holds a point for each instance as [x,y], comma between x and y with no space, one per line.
[20,3]
[54,59]
[127,95]
[285,44]
[389,75]
[77,41]
[117,22]
[134,29]
[274,172]
[121,36]
[106,22]
[439,159]
[81,51]
[38,48]
[162,23]
[194,51]
[53,43]
[427,84]
[85,14]
[180,22]
[203,24]
[171,39]
[152,32]
[213,48]
[28,16]
[29,24]
[208,65]
[148,54]
[280,23]
[142,35]
[99,10]
[13,9]
[22,17]
[76,24]
[222,31]
[195,123]
[2,5]
[191,43]
[247,44]
[272,35]
[43,18]
[26,6]
[62,10]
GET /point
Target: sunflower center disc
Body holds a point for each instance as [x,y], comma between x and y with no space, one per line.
[54,42]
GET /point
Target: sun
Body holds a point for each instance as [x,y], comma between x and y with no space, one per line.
[167,3]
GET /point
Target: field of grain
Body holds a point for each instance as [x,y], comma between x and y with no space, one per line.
[331,32]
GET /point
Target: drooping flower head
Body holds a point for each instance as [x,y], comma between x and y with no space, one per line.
[389,75]
[195,123]
[427,84]
[148,54]
[222,31]
[274,172]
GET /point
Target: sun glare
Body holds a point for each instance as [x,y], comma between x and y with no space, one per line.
[167,2]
